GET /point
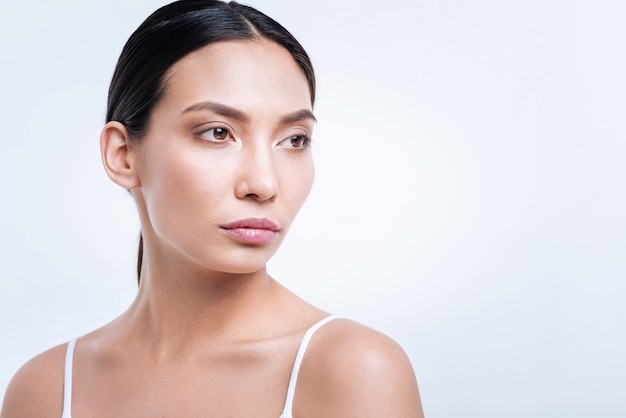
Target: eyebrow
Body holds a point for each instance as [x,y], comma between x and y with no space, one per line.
[233,113]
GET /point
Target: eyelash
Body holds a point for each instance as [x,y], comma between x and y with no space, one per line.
[226,132]
[305,139]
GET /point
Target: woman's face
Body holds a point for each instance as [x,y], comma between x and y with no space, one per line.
[225,164]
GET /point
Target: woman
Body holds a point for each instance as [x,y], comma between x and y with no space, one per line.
[209,122]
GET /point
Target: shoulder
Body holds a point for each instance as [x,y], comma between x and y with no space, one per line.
[36,390]
[351,370]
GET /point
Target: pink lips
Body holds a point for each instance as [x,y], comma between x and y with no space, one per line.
[252,231]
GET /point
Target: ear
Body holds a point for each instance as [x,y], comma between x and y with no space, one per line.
[118,155]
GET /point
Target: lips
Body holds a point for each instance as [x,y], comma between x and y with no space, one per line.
[256,231]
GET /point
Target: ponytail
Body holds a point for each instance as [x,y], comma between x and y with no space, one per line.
[139,258]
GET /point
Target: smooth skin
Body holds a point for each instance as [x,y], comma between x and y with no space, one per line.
[210,333]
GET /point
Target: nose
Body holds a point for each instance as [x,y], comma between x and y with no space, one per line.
[257,175]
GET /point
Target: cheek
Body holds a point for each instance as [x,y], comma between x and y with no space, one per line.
[182,187]
[299,181]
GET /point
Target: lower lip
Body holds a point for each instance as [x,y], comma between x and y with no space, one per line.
[252,235]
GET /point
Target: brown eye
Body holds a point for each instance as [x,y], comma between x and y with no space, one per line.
[220,133]
[297,142]
[216,134]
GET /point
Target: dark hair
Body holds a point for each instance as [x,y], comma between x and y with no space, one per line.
[168,35]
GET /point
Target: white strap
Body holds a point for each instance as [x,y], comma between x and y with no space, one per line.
[291,389]
[67,380]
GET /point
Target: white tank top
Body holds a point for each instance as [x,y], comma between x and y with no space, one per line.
[291,389]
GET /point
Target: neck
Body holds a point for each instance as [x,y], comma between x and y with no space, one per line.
[176,309]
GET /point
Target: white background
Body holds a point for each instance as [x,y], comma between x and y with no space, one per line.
[470,197]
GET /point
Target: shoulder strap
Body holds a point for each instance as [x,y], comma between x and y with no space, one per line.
[67,380]
[291,389]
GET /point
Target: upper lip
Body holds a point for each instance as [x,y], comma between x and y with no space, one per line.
[252,223]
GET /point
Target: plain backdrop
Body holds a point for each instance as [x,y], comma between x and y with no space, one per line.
[470,196]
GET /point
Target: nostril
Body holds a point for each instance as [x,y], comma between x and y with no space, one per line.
[257,181]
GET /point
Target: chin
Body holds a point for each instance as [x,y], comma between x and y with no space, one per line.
[242,264]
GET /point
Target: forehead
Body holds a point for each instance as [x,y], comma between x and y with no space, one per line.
[250,75]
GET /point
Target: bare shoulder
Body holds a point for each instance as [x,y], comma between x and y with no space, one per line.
[36,390]
[351,370]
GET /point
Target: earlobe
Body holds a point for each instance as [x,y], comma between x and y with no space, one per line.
[117,155]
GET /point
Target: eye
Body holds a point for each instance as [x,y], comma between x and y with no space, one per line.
[296,142]
[216,134]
